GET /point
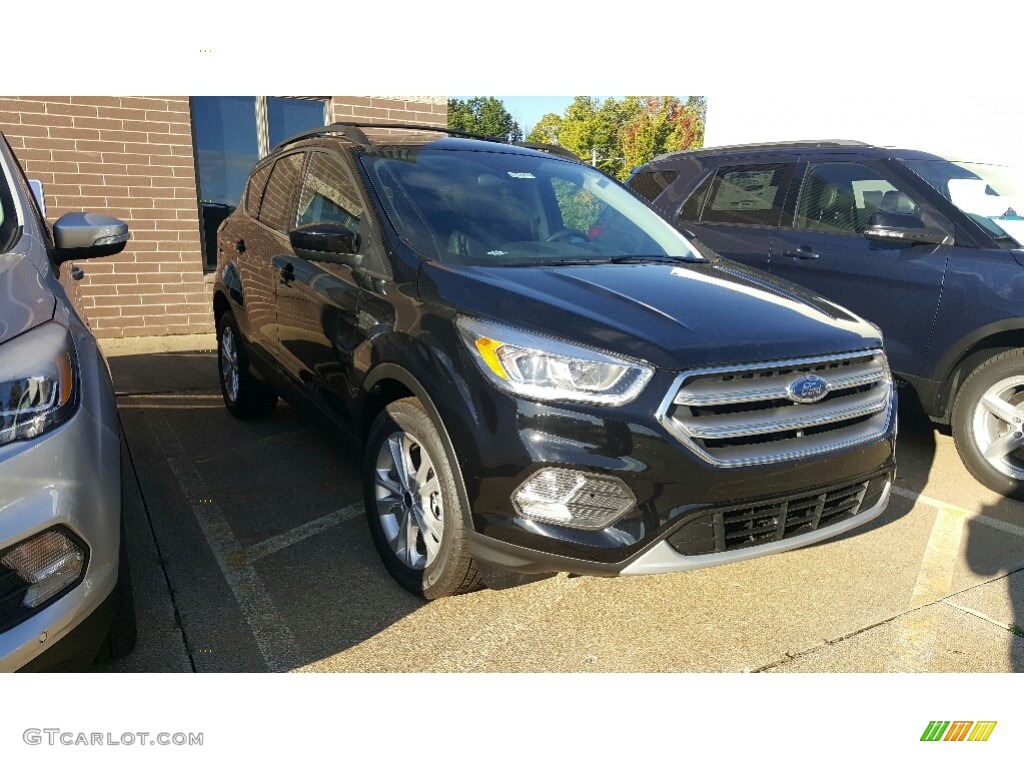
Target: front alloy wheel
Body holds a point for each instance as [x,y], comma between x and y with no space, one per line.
[409,500]
[413,505]
[988,423]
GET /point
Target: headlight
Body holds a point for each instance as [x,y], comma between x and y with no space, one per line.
[38,387]
[546,369]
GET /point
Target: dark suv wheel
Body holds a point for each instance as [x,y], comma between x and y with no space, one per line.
[412,505]
[245,396]
[988,423]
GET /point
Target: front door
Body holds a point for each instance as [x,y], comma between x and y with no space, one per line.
[895,286]
[318,300]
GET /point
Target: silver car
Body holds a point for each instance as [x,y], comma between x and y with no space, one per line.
[65,591]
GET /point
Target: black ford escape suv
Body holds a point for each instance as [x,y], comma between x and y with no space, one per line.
[930,248]
[545,376]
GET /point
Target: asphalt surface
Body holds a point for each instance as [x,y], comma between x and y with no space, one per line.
[250,552]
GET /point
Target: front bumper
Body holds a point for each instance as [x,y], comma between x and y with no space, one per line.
[517,437]
[68,477]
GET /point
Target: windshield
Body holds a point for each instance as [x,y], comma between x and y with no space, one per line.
[508,209]
[992,195]
[8,218]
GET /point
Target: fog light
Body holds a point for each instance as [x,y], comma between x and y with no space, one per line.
[48,563]
[572,498]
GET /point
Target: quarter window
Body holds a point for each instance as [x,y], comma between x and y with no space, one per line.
[840,197]
[750,194]
[650,184]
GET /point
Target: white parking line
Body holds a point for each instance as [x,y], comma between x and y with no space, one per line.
[304,531]
[992,522]
[273,637]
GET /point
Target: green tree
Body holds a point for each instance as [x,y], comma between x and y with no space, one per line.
[546,129]
[624,133]
[485,115]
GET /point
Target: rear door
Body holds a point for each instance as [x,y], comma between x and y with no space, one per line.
[895,286]
[737,209]
[254,240]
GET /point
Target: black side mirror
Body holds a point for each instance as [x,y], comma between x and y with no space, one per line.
[326,242]
[903,228]
[88,236]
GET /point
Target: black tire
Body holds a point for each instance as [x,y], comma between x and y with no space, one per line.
[996,372]
[121,635]
[451,571]
[250,398]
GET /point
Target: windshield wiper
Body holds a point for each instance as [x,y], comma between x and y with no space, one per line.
[581,261]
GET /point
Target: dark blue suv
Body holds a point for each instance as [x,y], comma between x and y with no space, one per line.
[928,248]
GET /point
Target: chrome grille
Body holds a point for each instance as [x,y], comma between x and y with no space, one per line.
[745,415]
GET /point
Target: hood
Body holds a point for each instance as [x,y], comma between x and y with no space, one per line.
[24,301]
[674,316]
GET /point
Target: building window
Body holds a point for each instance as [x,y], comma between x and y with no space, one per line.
[231,134]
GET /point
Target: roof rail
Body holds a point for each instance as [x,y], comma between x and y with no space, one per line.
[352,131]
[770,145]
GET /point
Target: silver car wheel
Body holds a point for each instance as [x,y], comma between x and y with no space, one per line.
[229,363]
[409,503]
[997,426]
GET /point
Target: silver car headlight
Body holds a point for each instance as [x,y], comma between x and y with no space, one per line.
[542,368]
[38,382]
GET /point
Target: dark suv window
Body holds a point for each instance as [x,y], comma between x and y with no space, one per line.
[840,197]
[254,192]
[748,194]
[328,194]
[650,184]
[275,209]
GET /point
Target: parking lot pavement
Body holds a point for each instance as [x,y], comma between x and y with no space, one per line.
[250,552]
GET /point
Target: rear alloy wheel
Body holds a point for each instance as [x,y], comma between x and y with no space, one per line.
[245,396]
[988,423]
[412,504]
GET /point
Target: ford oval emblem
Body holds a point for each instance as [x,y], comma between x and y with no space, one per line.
[808,389]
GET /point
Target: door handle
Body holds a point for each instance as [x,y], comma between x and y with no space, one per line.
[802,253]
[287,274]
[240,246]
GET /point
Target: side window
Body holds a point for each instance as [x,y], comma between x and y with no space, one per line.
[578,208]
[328,194]
[748,194]
[694,204]
[275,207]
[840,197]
[650,184]
[254,192]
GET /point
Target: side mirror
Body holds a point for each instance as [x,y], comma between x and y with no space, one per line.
[88,236]
[37,192]
[326,242]
[903,228]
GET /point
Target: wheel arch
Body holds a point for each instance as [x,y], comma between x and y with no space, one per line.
[970,352]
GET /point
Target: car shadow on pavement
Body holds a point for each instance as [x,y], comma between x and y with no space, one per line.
[248,536]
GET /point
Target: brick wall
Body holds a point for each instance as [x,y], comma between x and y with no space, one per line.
[132,157]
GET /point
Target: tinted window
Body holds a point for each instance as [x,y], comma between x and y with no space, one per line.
[8,218]
[840,198]
[650,184]
[328,194]
[750,194]
[275,209]
[254,193]
[693,206]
